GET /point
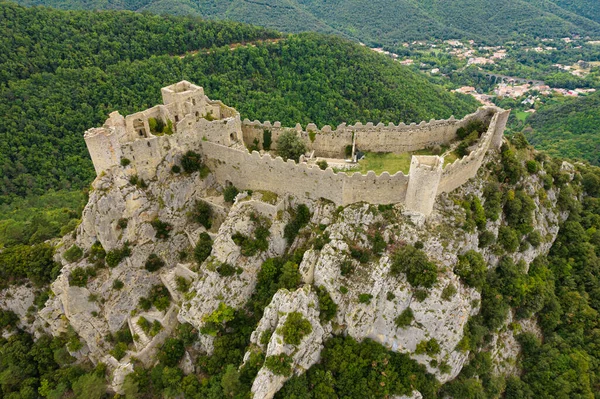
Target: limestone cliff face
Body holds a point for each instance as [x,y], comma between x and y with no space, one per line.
[304,355]
[98,309]
[369,299]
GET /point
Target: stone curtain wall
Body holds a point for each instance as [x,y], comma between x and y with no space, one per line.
[251,171]
[457,173]
[329,143]
[256,172]
[382,189]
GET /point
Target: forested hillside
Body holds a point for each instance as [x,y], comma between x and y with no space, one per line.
[59,79]
[382,22]
[43,40]
[518,245]
[586,8]
[570,128]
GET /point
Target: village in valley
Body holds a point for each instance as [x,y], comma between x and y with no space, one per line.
[522,75]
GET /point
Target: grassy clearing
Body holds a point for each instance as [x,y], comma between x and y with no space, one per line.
[451,157]
[387,162]
[268,197]
[522,116]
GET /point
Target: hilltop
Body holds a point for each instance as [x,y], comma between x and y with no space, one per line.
[200,264]
[57,84]
[383,22]
[177,283]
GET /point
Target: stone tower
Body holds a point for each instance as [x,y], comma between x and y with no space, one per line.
[183,98]
[103,143]
[500,126]
[424,179]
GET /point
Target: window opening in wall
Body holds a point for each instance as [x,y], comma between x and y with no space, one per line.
[193,101]
[232,136]
[138,126]
[176,118]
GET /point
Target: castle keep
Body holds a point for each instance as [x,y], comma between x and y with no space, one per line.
[190,121]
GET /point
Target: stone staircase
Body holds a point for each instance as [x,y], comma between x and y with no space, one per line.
[169,279]
[143,340]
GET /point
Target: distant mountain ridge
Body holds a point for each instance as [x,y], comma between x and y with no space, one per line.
[382,22]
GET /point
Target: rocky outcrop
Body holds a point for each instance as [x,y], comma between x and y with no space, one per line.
[19,299]
[304,355]
[118,214]
[212,288]
[368,296]
[504,347]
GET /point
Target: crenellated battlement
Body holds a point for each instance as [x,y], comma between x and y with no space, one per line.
[359,125]
[331,143]
[189,120]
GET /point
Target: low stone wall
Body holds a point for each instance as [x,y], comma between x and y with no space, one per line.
[268,210]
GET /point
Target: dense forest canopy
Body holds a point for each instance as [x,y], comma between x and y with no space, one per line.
[43,40]
[570,128]
[586,8]
[51,93]
[306,78]
[382,22]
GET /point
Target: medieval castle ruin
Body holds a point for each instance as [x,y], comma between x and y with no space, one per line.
[195,123]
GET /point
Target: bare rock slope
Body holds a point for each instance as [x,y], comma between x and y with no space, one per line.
[339,258]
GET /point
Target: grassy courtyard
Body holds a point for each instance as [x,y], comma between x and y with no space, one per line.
[381,162]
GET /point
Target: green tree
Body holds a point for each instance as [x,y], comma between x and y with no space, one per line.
[191,162]
[290,145]
[171,352]
[508,238]
[405,318]
[471,268]
[231,381]
[420,272]
[203,248]
[300,218]
[295,328]
[290,277]
[202,213]
[229,193]
[73,254]
[89,386]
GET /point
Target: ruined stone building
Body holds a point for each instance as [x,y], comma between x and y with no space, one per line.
[193,122]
